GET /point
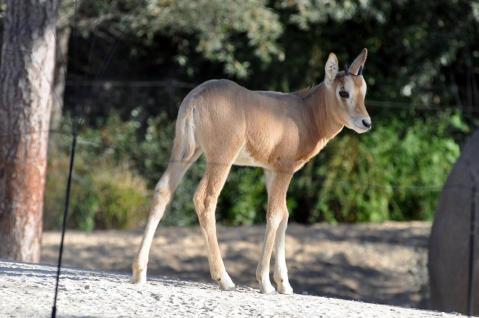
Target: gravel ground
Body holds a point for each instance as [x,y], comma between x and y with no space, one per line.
[374,263]
[27,291]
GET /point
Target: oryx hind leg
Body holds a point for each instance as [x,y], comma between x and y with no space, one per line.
[185,152]
[205,199]
[163,192]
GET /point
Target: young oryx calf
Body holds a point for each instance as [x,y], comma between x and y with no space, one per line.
[278,132]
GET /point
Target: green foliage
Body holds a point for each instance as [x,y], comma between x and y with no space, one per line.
[244,197]
[146,146]
[218,30]
[105,193]
[395,172]
[215,28]
[122,198]
[421,54]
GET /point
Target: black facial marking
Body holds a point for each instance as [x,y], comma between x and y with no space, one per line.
[343,94]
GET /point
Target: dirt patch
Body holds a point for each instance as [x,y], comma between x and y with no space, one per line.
[374,263]
[27,291]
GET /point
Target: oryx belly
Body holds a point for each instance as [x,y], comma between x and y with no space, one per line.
[244,158]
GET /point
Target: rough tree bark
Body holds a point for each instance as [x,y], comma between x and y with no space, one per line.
[26,74]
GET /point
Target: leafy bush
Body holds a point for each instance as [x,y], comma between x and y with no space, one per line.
[244,199]
[105,194]
[394,172]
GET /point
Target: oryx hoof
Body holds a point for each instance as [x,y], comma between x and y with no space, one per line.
[226,283]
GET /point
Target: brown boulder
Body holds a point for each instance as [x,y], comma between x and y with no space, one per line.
[449,241]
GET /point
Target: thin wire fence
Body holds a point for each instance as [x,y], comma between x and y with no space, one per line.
[108,146]
[395,187]
[174,83]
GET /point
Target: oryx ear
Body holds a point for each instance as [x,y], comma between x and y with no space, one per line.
[358,63]
[331,69]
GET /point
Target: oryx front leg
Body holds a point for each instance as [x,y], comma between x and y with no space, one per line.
[280,270]
[205,199]
[277,185]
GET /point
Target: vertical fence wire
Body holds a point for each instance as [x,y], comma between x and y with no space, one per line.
[65,216]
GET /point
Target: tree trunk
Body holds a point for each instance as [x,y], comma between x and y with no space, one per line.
[58,89]
[66,12]
[26,75]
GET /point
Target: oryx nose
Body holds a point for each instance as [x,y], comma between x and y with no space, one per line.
[367,123]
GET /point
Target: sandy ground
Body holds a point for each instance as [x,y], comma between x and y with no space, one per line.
[27,291]
[374,263]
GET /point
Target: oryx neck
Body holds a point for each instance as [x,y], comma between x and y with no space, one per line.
[322,106]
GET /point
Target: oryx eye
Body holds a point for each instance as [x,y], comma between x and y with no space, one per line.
[344,94]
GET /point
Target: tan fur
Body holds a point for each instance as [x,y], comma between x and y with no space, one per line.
[279,132]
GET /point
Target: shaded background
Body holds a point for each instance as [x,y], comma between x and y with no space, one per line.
[377,263]
[129,63]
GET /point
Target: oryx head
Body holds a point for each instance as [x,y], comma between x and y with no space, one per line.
[348,89]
